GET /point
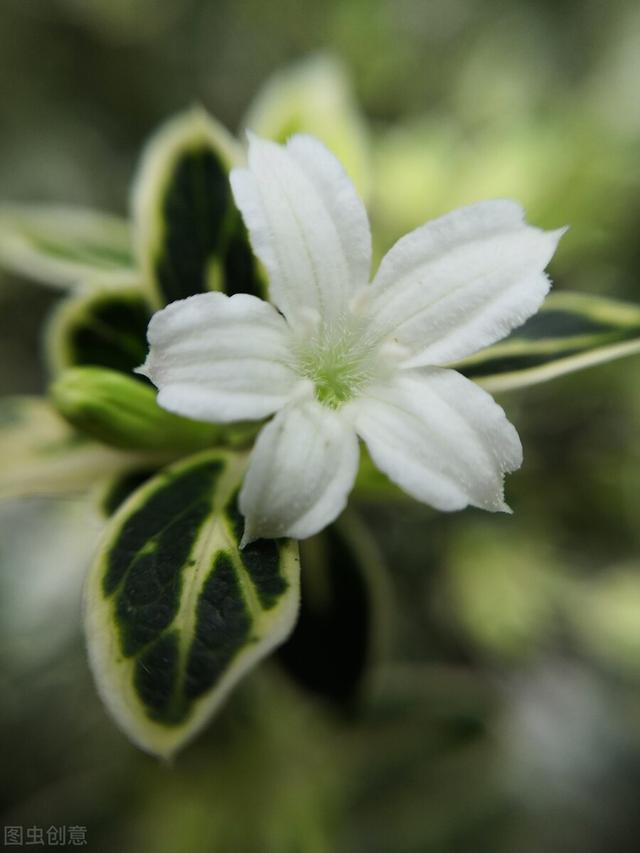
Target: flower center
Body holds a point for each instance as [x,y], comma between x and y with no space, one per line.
[339,361]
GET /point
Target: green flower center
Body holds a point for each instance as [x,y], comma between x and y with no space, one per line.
[339,363]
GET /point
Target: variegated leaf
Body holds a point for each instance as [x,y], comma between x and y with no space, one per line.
[175,612]
[188,233]
[101,326]
[62,246]
[570,332]
[40,454]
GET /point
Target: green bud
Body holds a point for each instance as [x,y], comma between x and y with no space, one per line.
[122,411]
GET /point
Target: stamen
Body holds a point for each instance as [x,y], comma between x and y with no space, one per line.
[339,360]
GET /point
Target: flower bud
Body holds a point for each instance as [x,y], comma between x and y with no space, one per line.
[122,411]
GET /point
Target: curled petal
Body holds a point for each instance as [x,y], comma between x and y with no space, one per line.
[462,282]
[439,437]
[301,470]
[220,358]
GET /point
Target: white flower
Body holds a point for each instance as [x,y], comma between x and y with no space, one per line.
[336,357]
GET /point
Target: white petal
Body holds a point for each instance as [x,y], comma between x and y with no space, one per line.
[301,470]
[462,282]
[441,438]
[220,358]
[306,223]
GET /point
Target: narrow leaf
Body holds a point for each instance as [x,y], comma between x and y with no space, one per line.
[175,613]
[571,331]
[101,326]
[61,246]
[189,236]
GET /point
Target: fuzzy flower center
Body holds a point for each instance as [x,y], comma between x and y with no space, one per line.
[340,361]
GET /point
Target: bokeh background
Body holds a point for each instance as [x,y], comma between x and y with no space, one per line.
[501,704]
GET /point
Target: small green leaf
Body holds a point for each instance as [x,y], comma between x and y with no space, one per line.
[570,332]
[105,326]
[315,96]
[175,612]
[341,627]
[189,235]
[43,455]
[61,246]
[119,411]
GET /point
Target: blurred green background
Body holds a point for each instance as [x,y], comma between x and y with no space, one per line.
[501,709]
